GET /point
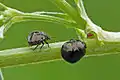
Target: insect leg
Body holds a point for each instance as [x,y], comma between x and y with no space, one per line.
[35,47]
[47,43]
[42,45]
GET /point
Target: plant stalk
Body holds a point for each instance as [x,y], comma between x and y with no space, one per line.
[26,55]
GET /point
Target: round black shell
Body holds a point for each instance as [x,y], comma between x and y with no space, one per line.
[73,50]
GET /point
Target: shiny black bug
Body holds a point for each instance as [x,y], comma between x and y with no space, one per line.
[73,50]
[38,38]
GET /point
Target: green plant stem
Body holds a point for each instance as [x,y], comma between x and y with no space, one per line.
[2,7]
[1,75]
[39,17]
[100,34]
[55,14]
[26,55]
[48,18]
[71,11]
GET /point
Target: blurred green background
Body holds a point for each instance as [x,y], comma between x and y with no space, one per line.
[103,12]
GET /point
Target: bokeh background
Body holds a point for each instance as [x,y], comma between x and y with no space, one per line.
[103,12]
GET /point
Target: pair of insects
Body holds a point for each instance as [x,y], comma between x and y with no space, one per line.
[71,51]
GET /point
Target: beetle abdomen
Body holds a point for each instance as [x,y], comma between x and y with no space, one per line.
[72,56]
[34,43]
[73,50]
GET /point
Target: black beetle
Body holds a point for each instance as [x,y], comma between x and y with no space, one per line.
[37,38]
[73,50]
